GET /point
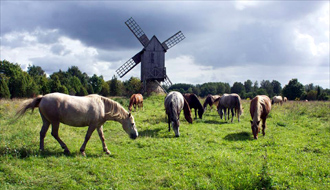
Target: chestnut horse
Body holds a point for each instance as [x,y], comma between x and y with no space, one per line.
[174,103]
[260,107]
[135,100]
[92,111]
[230,102]
[210,100]
[194,102]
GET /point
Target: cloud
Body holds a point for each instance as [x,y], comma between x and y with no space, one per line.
[230,36]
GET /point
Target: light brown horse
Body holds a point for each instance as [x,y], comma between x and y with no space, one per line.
[135,100]
[260,107]
[92,111]
[174,103]
[231,102]
[211,100]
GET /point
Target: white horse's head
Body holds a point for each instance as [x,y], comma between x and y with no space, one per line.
[129,126]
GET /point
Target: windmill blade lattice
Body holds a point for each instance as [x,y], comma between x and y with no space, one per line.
[129,65]
[173,40]
[137,31]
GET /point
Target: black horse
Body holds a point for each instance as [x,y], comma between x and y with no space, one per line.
[194,102]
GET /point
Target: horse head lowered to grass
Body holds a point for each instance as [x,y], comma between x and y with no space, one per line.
[194,102]
[174,103]
[135,100]
[260,107]
[92,111]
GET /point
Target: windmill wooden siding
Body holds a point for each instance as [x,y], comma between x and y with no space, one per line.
[153,61]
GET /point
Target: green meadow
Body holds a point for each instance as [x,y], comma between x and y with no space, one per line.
[210,153]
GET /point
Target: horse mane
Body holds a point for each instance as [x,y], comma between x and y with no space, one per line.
[187,111]
[196,101]
[131,101]
[114,109]
[258,108]
[209,100]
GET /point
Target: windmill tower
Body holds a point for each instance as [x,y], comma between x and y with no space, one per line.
[152,57]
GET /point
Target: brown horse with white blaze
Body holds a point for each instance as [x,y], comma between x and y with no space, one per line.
[174,103]
[135,100]
[260,107]
[92,111]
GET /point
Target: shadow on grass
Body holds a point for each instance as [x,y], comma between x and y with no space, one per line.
[241,136]
[215,122]
[24,152]
[149,132]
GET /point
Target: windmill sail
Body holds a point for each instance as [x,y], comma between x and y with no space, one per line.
[173,40]
[129,65]
[137,31]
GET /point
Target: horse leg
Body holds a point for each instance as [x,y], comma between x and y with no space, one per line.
[105,148]
[232,114]
[263,126]
[87,137]
[55,127]
[225,111]
[43,131]
[169,123]
[195,113]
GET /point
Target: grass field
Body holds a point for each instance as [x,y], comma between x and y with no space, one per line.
[209,154]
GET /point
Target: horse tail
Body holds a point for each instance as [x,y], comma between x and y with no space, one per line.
[237,106]
[28,104]
[131,100]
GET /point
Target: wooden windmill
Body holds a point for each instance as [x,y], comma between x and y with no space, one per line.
[152,56]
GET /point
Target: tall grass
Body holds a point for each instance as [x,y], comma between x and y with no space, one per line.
[209,154]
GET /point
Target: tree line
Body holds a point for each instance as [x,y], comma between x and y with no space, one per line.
[16,83]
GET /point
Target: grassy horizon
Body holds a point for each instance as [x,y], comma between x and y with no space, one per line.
[209,154]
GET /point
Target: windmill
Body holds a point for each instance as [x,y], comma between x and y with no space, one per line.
[152,56]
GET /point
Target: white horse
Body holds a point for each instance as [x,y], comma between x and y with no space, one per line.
[277,100]
[92,111]
[174,103]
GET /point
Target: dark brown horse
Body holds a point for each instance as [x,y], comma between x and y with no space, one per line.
[194,102]
[135,100]
[92,111]
[174,103]
[210,100]
[260,107]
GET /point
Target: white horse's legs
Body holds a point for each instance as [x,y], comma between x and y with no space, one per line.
[105,148]
[43,131]
[55,127]
[87,137]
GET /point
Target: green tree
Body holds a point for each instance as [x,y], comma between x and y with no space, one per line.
[267,85]
[4,90]
[238,88]
[133,85]
[96,83]
[276,87]
[248,86]
[105,89]
[312,95]
[293,89]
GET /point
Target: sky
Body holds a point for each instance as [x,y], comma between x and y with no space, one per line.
[226,41]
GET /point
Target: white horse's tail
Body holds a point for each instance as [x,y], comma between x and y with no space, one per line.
[28,104]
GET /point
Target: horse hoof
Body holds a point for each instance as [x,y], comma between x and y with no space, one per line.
[108,152]
[83,154]
[66,151]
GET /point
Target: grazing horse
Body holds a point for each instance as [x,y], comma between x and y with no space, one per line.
[277,100]
[260,107]
[174,103]
[210,100]
[193,102]
[92,111]
[285,99]
[230,102]
[135,100]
